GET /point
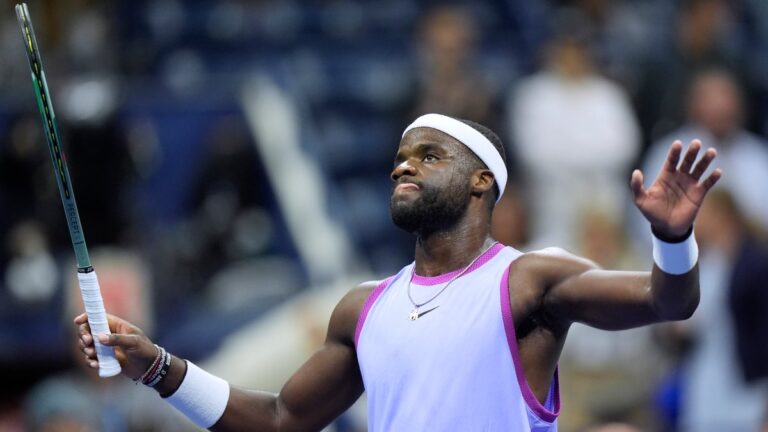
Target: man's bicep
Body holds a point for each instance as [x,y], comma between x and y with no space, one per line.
[330,381]
[578,290]
[609,300]
[324,387]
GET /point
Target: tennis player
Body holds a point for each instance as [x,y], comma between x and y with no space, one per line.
[467,337]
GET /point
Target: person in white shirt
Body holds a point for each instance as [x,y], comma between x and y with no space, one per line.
[575,135]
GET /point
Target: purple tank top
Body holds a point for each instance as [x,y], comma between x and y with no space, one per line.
[457,367]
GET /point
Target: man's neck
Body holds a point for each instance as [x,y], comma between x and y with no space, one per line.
[445,251]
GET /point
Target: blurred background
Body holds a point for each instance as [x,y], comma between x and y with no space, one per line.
[231,164]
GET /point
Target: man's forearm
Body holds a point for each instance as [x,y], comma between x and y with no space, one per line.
[173,379]
[199,395]
[245,409]
[675,276]
[675,297]
[250,410]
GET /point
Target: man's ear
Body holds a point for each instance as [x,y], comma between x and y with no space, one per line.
[482,181]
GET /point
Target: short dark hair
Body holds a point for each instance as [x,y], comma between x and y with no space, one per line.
[495,140]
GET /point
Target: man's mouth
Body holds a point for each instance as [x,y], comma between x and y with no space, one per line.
[406,187]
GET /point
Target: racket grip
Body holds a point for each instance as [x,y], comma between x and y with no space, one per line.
[97,319]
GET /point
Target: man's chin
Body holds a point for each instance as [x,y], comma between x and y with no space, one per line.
[403,215]
[403,202]
[421,212]
[407,226]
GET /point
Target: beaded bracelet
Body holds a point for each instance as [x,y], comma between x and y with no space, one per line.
[158,370]
[161,372]
[151,367]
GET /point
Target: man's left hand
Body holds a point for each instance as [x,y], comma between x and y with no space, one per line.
[673,200]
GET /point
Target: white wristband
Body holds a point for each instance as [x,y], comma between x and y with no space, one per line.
[201,397]
[675,258]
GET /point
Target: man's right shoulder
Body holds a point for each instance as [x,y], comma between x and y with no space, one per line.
[347,312]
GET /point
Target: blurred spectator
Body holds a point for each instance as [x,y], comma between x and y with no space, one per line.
[706,35]
[102,170]
[29,200]
[602,240]
[715,115]
[27,187]
[575,135]
[228,221]
[509,224]
[624,35]
[32,275]
[748,296]
[449,80]
[715,396]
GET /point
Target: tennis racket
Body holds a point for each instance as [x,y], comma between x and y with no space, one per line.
[89,284]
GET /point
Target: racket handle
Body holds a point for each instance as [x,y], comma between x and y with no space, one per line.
[97,319]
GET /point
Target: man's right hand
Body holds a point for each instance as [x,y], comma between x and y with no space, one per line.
[133,349]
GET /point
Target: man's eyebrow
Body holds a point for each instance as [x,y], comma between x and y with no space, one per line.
[423,147]
[430,147]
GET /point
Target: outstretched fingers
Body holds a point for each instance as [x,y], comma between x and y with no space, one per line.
[704,163]
[673,157]
[690,156]
[636,184]
[712,179]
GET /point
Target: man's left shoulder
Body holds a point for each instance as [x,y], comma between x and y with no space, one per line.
[552,254]
[550,262]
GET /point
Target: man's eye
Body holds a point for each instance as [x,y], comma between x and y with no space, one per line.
[430,158]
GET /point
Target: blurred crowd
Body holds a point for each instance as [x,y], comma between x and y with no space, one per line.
[231,161]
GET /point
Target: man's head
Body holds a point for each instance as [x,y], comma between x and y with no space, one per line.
[448,36]
[702,24]
[715,102]
[568,52]
[439,174]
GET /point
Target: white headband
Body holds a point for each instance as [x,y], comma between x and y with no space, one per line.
[471,138]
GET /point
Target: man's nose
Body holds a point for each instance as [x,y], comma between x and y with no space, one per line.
[404,168]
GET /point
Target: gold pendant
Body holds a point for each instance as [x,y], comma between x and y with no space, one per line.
[414,314]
